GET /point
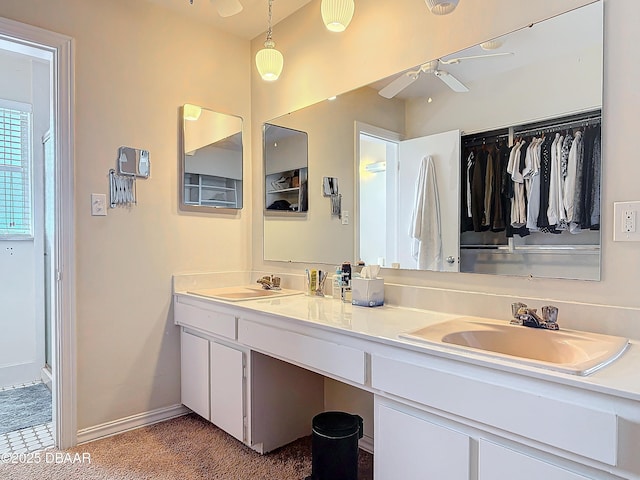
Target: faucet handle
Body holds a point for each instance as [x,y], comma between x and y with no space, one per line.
[550,314]
[515,308]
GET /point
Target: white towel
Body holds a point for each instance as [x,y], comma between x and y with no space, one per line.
[426,247]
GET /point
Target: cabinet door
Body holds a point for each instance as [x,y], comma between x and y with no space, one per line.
[194,368]
[411,448]
[500,463]
[227,389]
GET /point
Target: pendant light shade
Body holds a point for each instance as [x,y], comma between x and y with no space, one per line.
[441,7]
[336,14]
[269,61]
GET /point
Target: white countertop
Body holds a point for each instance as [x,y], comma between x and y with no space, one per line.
[384,324]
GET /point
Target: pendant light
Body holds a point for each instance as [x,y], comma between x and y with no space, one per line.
[336,14]
[269,60]
[441,7]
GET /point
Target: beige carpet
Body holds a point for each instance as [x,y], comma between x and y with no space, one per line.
[183,448]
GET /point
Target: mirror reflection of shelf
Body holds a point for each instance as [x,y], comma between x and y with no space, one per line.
[210,190]
[286,191]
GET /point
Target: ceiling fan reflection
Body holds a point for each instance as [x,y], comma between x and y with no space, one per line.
[403,81]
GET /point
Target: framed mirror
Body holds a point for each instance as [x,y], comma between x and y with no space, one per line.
[211,163]
[285,170]
[548,71]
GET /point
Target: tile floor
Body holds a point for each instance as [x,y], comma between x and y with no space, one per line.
[28,439]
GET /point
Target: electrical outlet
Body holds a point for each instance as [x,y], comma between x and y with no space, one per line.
[628,221]
[345,217]
[98,204]
[625,216]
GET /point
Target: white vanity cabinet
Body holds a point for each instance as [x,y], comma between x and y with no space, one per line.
[262,401]
[504,426]
[410,447]
[213,382]
[194,369]
[227,386]
[258,373]
[496,462]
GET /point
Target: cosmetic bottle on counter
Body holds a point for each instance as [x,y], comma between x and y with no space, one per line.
[345,286]
[336,283]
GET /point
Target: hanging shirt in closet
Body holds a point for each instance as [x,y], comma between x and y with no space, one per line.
[478,190]
[575,157]
[518,204]
[595,193]
[554,213]
[545,182]
[531,174]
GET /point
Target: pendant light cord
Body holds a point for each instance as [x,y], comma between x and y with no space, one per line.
[269,32]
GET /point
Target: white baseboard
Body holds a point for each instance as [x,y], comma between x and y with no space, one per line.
[366,444]
[45,376]
[130,423]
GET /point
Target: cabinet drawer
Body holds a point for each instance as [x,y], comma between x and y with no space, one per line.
[499,463]
[210,321]
[339,360]
[569,426]
[408,447]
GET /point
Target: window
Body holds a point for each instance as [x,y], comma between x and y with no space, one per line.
[15,170]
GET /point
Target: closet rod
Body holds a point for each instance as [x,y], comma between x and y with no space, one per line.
[556,249]
[558,126]
[481,140]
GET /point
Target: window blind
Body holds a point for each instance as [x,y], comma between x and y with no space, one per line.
[15,170]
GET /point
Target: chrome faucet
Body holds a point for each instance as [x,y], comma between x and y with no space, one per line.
[523,315]
[269,282]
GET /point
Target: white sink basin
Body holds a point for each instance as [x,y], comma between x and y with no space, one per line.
[235,294]
[568,351]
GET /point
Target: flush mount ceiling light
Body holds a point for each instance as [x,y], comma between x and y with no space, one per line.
[269,61]
[336,14]
[491,44]
[441,7]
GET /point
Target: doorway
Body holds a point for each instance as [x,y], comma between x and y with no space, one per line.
[36,235]
[26,227]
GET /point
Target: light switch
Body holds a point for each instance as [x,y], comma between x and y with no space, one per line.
[98,204]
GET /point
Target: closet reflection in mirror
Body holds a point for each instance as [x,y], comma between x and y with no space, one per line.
[545,72]
[285,166]
[211,163]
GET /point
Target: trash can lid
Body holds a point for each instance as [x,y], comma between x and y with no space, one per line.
[338,424]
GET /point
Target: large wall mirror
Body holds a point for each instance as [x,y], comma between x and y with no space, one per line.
[211,163]
[402,144]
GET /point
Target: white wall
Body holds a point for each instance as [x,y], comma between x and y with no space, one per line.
[216,161]
[319,64]
[24,80]
[136,64]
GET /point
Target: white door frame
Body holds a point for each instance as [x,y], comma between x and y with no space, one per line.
[63,331]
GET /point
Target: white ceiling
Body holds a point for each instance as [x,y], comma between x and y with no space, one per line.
[249,23]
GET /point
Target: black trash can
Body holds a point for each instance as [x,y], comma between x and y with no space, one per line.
[334,446]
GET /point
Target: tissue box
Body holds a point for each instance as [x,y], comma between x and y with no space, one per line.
[367,292]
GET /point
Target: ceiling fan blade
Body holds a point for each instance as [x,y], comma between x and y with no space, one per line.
[227,8]
[453,83]
[453,61]
[399,84]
